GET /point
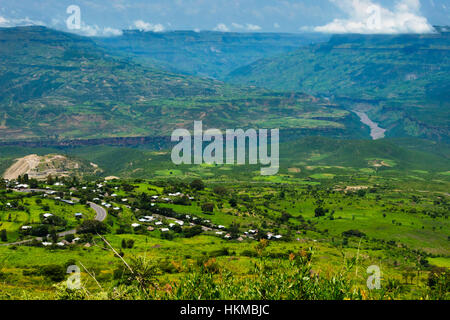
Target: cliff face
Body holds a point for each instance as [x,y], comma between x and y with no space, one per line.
[157,142]
[39,167]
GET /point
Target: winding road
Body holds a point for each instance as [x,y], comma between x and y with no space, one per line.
[100,216]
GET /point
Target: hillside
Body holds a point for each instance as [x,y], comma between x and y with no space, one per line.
[401,81]
[205,53]
[39,167]
[59,86]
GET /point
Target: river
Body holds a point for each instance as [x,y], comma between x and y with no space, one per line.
[375,131]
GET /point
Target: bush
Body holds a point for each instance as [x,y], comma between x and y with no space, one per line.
[53,272]
[69,237]
[353,233]
[197,184]
[93,226]
[192,231]
[3,235]
[208,207]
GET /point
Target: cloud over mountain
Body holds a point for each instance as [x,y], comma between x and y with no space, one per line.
[368,17]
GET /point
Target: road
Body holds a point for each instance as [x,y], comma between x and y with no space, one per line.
[100,216]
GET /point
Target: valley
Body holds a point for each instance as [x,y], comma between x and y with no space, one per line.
[87,177]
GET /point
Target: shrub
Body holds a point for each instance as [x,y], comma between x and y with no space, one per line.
[93,226]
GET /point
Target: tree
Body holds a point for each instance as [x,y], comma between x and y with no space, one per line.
[208,207]
[193,231]
[93,226]
[319,212]
[50,180]
[353,233]
[233,202]
[220,190]
[69,238]
[197,184]
[3,235]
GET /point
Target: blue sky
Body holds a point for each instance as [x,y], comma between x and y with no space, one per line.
[109,17]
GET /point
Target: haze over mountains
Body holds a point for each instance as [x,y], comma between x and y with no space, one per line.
[57,85]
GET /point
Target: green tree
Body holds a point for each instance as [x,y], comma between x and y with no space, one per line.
[197,184]
[3,235]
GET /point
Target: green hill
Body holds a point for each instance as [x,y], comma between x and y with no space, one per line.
[402,81]
[59,86]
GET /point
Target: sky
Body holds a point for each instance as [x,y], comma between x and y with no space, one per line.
[110,17]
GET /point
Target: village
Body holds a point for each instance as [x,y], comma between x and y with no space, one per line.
[107,198]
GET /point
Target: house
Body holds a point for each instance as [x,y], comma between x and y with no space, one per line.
[47,215]
[26,227]
[164,229]
[150,229]
[158,223]
[46,244]
[180,222]
[219,233]
[135,225]
[78,215]
[221,227]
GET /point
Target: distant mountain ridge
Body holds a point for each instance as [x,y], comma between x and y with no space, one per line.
[402,81]
[58,87]
[204,53]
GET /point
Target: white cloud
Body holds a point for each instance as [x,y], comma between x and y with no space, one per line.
[221,27]
[4,22]
[253,27]
[248,26]
[96,31]
[276,25]
[368,17]
[145,26]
